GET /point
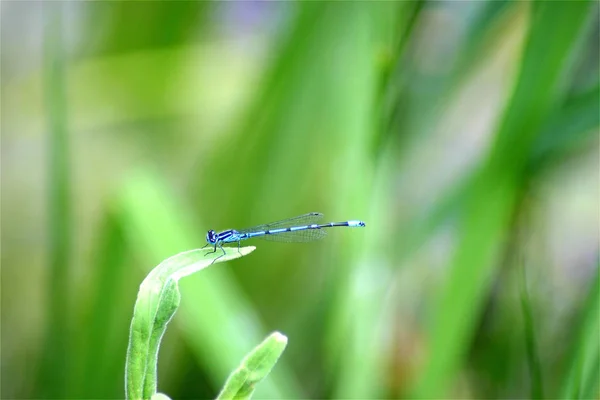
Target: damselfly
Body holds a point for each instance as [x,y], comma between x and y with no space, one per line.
[304,228]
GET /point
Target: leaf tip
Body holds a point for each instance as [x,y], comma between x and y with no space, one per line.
[279,337]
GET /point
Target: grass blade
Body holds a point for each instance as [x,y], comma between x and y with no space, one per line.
[218,340]
[489,205]
[573,127]
[98,347]
[55,363]
[533,359]
[254,368]
[581,380]
[157,302]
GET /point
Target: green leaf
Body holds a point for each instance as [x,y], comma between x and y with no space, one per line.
[254,368]
[157,302]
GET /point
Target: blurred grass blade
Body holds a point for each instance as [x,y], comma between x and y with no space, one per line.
[485,16]
[581,378]
[55,367]
[591,386]
[489,205]
[158,300]
[97,367]
[216,319]
[572,127]
[533,359]
[255,367]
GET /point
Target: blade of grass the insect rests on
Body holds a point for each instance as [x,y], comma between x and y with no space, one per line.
[581,377]
[254,368]
[489,205]
[55,364]
[158,300]
[216,319]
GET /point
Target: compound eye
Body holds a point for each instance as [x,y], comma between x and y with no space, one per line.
[210,236]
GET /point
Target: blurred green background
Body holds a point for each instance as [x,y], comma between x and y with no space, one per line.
[465,134]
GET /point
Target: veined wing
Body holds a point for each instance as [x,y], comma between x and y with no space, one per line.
[307,235]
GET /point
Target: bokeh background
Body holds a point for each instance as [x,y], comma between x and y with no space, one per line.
[464,133]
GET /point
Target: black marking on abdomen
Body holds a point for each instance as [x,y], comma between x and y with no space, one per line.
[331,225]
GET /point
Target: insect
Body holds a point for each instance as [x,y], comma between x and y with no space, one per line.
[303,228]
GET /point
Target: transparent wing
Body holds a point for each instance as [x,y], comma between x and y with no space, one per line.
[306,219]
[307,235]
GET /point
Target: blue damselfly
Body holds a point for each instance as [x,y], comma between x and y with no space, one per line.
[304,228]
